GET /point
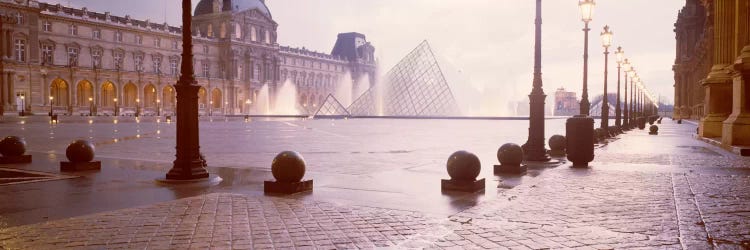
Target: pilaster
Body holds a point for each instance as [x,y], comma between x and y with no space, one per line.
[737,126]
[718,84]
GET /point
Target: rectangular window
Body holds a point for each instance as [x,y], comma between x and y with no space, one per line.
[47,26]
[257,72]
[47,52]
[205,49]
[175,45]
[72,56]
[173,66]
[138,39]
[205,69]
[118,36]
[253,34]
[157,42]
[96,56]
[19,18]
[118,60]
[157,65]
[268,37]
[138,59]
[96,34]
[73,30]
[20,50]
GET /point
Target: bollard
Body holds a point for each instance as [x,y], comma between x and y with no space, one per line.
[12,149]
[557,146]
[463,168]
[653,130]
[579,132]
[288,168]
[510,156]
[80,154]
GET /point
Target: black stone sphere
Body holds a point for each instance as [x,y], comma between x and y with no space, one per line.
[510,154]
[463,166]
[557,142]
[653,129]
[80,151]
[288,166]
[12,146]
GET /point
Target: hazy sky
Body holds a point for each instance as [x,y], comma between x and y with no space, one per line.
[489,41]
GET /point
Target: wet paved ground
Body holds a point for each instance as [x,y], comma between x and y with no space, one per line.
[382,189]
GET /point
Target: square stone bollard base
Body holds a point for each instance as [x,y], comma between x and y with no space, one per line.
[15,159]
[80,166]
[510,169]
[287,187]
[462,186]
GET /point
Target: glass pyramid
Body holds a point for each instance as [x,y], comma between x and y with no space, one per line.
[414,87]
[331,107]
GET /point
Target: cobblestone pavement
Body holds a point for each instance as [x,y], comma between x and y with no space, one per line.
[655,192]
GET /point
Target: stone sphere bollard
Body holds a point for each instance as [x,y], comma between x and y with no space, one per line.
[557,144]
[653,130]
[288,166]
[599,135]
[80,151]
[12,146]
[463,166]
[510,154]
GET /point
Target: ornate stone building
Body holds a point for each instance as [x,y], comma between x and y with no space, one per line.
[74,61]
[566,103]
[712,68]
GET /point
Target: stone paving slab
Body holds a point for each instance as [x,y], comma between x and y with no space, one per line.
[224,220]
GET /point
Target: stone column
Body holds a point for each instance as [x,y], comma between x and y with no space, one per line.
[718,84]
[677,91]
[736,129]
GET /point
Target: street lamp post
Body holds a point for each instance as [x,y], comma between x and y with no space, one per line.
[210,107]
[534,149]
[158,107]
[116,108]
[189,164]
[137,107]
[91,106]
[50,105]
[23,105]
[606,42]
[579,129]
[627,68]
[620,55]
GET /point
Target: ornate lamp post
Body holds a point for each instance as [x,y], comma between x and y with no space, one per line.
[580,129]
[188,165]
[606,42]
[91,106]
[620,55]
[210,107]
[137,107]
[534,149]
[158,107]
[587,11]
[23,105]
[50,104]
[116,108]
[627,68]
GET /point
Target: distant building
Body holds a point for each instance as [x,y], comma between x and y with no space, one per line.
[566,103]
[73,60]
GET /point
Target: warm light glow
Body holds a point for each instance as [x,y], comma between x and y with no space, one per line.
[137,100]
[115,99]
[587,9]
[91,99]
[158,101]
[626,65]
[606,37]
[248,101]
[23,97]
[51,97]
[620,54]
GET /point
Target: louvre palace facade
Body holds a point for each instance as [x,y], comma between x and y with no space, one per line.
[75,61]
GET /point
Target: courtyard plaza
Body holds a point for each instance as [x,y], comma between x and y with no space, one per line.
[377,184]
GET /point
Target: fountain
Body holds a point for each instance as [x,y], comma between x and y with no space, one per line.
[264,101]
[363,84]
[344,91]
[286,99]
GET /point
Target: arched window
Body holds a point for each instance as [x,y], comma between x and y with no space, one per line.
[253,34]
[237,31]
